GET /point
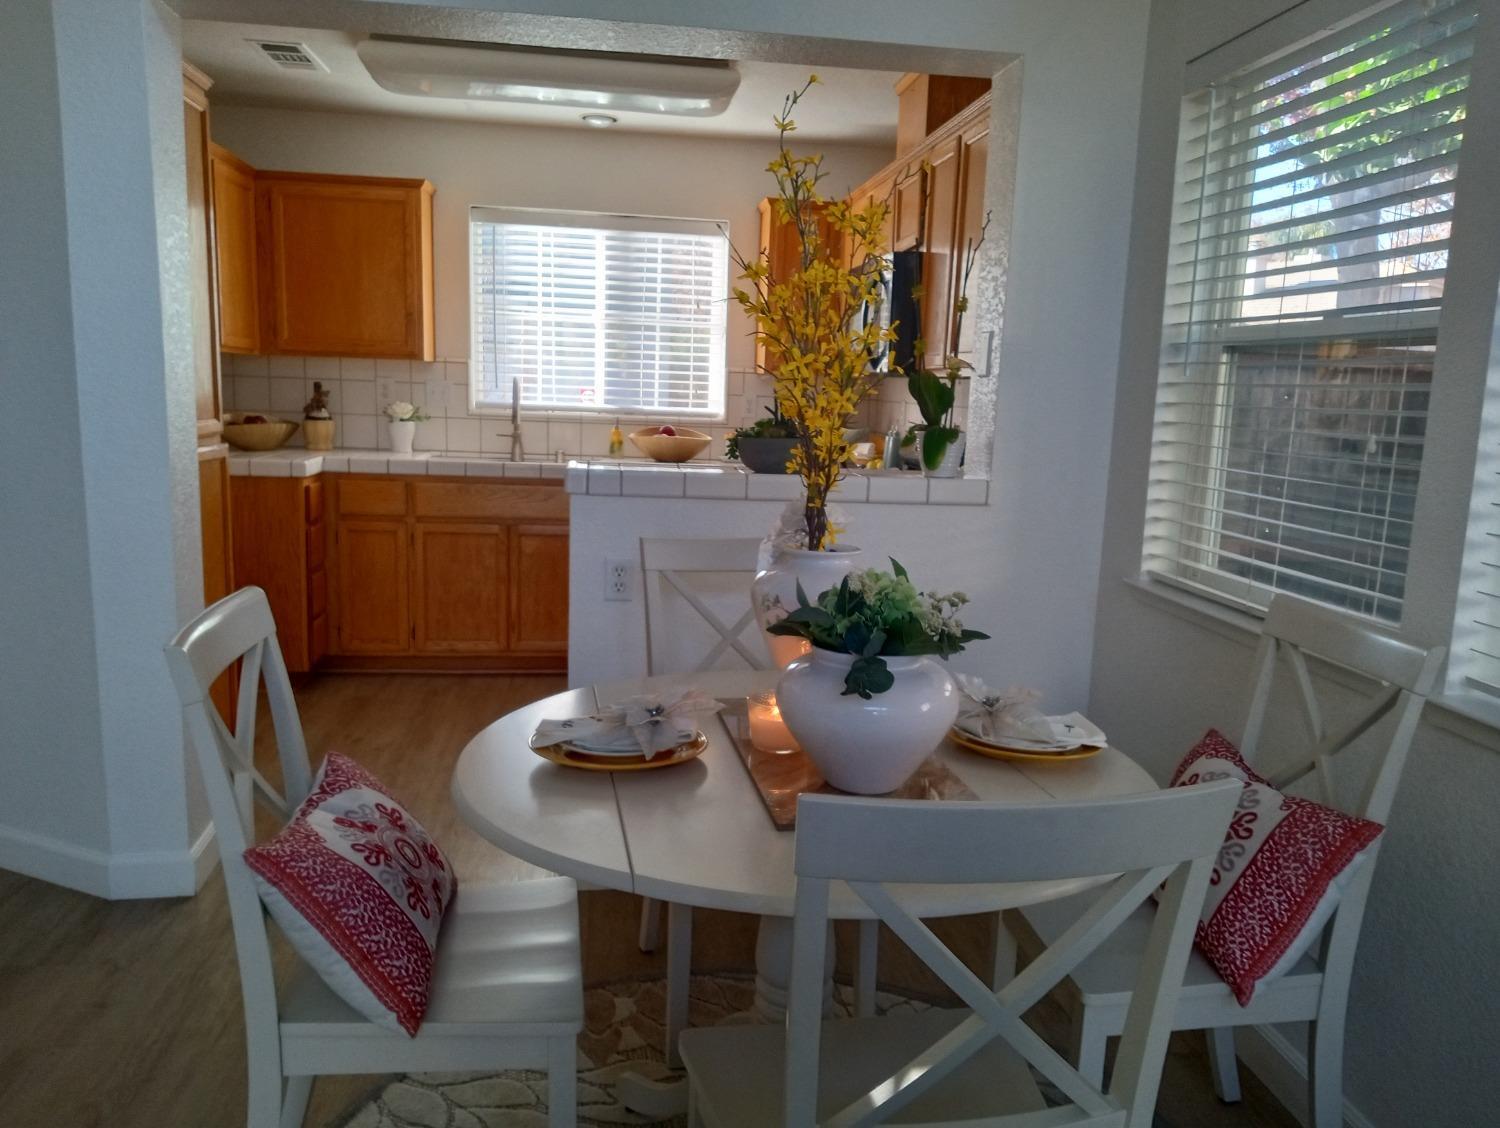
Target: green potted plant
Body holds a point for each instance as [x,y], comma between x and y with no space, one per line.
[867,703]
[938,440]
[765,446]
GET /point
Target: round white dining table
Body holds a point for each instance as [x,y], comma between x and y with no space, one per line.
[698,834]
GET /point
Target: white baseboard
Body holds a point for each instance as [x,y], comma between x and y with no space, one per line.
[1282,1068]
[52,859]
[155,873]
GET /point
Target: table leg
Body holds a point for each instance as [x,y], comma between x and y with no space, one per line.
[773,968]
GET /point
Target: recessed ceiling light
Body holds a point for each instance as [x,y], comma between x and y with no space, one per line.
[599,121]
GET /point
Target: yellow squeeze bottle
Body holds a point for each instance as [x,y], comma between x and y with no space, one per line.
[616,440]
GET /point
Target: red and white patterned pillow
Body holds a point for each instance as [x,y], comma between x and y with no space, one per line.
[360,891]
[1284,865]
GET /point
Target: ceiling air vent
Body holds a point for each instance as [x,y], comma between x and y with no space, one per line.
[292,56]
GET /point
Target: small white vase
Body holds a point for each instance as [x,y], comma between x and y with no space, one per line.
[867,747]
[952,460]
[402,434]
[774,590]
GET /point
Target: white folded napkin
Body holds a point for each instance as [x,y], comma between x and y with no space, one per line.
[1008,714]
[654,722]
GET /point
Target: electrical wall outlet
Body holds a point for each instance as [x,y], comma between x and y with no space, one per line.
[617,577]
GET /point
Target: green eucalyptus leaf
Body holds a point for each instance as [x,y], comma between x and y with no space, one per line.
[867,677]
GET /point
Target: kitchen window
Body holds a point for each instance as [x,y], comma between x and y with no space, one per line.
[1305,279]
[615,315]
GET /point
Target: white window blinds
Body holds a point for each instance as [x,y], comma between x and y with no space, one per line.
[1310,240]
[614,314]
[1477,635]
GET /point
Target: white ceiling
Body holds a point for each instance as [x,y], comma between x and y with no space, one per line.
[848,105]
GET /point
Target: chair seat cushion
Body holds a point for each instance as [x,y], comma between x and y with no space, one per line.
[360,890]
[735,1072]
[1279,875]
[508,964]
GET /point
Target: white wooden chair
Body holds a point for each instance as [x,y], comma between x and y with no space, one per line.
[668,566]
[1316,989]
[967,1065]
[507,984]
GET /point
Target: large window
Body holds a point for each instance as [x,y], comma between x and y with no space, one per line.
[1310,242]
[612,314]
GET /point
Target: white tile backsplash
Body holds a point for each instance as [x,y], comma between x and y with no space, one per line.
[358,396]
[359,388]
[287,395]
[463,435]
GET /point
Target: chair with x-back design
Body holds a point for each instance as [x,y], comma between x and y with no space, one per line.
[974,1064]
[507,985]
[1316,988]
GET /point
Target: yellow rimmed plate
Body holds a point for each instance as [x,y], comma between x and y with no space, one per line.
[997,752]
[571,756]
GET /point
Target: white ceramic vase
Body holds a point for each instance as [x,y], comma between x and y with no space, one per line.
[774,591]
[402,434]
[952,460]
[867,747]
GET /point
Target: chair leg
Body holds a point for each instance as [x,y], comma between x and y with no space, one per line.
[864,971]
[1006,954]
[264,1105]
[294,1103]
[1325,1071]
[1223,1063]
[679,975]
[650,935]
[1089,1044]
[562,1082]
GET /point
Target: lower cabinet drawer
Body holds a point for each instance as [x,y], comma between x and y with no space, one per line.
[372,497]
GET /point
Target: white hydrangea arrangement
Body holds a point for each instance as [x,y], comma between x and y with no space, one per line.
[873,614]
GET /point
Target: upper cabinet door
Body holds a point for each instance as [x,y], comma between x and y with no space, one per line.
[938,243]
[234,234]
[974,155]
[348,265]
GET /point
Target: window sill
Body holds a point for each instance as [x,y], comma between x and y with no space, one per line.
[1467,714]
[629,420]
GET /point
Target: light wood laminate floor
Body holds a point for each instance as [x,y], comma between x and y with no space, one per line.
[128,1014]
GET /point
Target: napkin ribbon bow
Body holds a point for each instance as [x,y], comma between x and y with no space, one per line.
[657,722]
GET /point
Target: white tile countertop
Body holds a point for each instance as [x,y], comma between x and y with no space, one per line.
[294,462]
[617,477]
[729,481]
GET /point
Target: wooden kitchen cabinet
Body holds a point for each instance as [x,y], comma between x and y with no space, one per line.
[937,200]
[234,237]
[280,546]
[373,588]
[442,573]
[460,588]
[907,202]
[345,265]
[539,590]
[938,259]
[974,153]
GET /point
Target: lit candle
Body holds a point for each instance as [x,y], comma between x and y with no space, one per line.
[768,731]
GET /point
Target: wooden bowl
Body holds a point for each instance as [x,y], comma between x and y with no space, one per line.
[670,448]
[258,436]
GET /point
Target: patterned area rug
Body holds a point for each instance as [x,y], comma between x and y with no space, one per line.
[622,1033]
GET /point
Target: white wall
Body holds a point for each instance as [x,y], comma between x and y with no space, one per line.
[101,561]
[1423,1001]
